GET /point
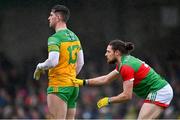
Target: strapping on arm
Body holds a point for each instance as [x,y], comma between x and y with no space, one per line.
[52,61]
[80,62]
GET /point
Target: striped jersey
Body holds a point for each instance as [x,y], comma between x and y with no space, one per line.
[145,79]
[68,45]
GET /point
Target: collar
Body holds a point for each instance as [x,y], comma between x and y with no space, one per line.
[123,57]
[60,29]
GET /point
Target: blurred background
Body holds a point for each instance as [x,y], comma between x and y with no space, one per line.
[153,26]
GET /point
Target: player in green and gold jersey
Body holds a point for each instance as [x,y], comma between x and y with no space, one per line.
[64,62]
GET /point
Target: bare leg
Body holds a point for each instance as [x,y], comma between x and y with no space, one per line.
[57,107]
[71,112]
[150,111]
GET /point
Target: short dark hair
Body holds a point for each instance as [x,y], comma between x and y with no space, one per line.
[63,10]
[123,47]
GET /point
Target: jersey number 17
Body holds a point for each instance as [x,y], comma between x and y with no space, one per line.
[73,53]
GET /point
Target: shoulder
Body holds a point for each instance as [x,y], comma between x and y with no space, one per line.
[55,38]
[73,34]
[126,59]
[126,68]
[132,61]
[127,72]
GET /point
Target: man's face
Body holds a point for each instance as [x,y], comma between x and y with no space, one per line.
[53,19]
[110,55]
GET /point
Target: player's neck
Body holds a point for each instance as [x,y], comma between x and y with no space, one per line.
[119,60]
[61,26]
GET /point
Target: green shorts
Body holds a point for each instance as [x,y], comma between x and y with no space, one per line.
[67,94]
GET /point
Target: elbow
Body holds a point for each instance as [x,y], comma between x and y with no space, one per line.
[81,65]
[54,64]
[127,97]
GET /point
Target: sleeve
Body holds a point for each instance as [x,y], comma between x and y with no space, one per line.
[80,61]
[127,73]
[79,44]
[116,69]
[53,44]
[52,61]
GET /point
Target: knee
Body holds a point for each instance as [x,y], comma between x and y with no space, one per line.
[50,116]
[141,117]
[70,116]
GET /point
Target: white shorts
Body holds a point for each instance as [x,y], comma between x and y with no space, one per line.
[161,97]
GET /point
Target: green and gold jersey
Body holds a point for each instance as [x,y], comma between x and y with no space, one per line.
[68,45]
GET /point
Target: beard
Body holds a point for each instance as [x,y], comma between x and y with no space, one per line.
[51,25]
[113,61]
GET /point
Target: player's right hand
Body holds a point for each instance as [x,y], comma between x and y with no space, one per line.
[37,73]
[80,82]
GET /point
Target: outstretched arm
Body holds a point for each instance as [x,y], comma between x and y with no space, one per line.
[103,79]
[98,80]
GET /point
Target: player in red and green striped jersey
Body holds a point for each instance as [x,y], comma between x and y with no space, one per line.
[137,77]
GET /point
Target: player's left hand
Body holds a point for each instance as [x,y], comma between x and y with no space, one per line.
[103,102]
[38,72]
